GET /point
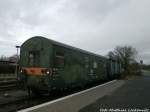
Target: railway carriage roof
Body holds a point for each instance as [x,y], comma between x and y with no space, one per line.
[66,46]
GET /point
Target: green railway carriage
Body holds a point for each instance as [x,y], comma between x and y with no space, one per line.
[46,65]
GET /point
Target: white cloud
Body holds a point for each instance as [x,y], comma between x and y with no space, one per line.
[97,25]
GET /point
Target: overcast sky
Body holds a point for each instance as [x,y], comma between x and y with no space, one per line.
[94,25]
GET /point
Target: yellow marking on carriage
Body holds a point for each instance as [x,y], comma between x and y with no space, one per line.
[34,71]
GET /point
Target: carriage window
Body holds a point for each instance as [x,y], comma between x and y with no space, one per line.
[86,59]
[94,64]
[34,58]
[59,59]
[86,62]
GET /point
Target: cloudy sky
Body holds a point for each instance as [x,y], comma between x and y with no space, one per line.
[94,25]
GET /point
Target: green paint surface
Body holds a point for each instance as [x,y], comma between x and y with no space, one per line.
[74,67]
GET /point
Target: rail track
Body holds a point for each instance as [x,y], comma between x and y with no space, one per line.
[8,85]
[7,82]
[21,103]
[29,101]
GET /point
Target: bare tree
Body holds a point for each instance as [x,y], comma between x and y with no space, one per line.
[126,55]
